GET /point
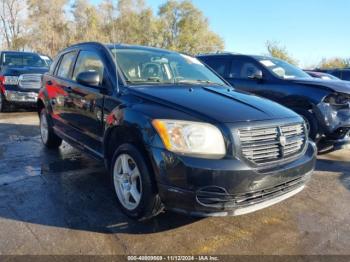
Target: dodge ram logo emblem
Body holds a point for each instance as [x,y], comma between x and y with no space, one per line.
[283,141]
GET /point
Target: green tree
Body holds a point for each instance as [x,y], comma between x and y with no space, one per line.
[184,28]
[276,50]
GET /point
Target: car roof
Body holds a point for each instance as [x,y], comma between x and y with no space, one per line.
[256,57]
[118,46]
[19,52]
[138,47]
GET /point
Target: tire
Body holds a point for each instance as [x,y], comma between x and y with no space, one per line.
[311,124]
[133,184]
[3,103]
[48,136]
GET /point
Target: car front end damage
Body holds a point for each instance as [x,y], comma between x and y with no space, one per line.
[334,115]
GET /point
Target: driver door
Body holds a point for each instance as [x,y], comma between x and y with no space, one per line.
[87,101]
[240,76]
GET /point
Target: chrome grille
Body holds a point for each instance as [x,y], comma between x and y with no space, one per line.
[263,145]
[30,81]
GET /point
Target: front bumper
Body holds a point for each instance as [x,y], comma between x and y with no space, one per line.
[21,97]
[227,187]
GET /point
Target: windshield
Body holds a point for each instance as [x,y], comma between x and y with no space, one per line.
[161,67]
[47,60]
[22,59]
[282,69]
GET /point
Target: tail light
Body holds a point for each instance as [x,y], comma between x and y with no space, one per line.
[2,87]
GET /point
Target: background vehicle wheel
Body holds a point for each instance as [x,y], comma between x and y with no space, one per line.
[135,188]
[311,124]
[3,104]
[48,137]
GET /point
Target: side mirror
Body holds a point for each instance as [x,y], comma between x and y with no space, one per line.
[256,75]
[89,78]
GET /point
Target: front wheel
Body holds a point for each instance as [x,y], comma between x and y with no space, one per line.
[134,187]
[311,124]
[48,136]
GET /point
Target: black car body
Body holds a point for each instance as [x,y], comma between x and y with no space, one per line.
[20,78]
[341,73]
[202,147]
[321,75]
[325,105]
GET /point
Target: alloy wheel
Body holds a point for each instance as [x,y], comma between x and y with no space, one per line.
[127,182]
[44,130]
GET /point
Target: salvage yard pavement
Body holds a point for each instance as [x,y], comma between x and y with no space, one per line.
[61,202]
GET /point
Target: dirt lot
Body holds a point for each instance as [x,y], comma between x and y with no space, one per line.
[61,203]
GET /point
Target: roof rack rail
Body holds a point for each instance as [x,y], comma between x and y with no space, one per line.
[219,53]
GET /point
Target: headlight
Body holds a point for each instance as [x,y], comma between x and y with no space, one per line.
[337,99]
[192,138]
[10,80]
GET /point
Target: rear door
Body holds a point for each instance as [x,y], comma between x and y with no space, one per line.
[59,89]
[88,102]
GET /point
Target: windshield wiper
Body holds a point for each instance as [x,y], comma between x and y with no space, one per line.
[199,81]
[148,81]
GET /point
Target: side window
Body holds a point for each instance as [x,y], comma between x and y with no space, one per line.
[54,65]
[336,73]
[88,61]
[346,75]
[66,65]
[242,68]
[236,68]
[219,64]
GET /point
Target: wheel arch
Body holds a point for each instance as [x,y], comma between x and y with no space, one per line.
[125,126]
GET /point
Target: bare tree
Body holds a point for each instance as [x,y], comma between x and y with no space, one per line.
[12,23]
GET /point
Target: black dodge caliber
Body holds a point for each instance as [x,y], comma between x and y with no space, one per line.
[172,133]
[20,78]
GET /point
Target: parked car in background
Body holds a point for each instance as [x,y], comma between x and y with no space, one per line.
[46,59]
[323,104]
[20,78]
[321,75]
[341,73]
[172,133]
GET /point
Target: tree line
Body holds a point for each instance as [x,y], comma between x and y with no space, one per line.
[47,26]
[51,25]
[276,50]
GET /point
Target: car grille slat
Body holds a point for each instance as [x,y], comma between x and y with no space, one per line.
[207,197]
[263,145]
[30,81]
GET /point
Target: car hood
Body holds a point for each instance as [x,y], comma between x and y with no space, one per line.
[216,103]
[333,85]
[16,71]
